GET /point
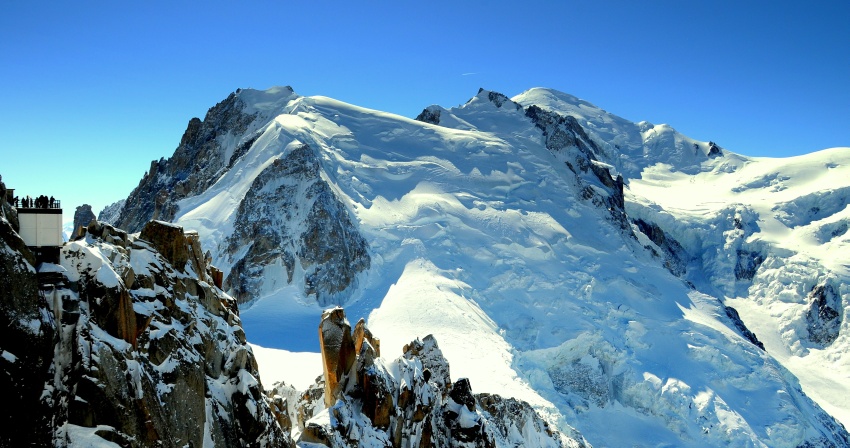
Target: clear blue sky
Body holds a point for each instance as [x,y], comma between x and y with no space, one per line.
[93,91]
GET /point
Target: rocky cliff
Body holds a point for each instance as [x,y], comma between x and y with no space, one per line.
[27,335]
[125,341]
[128,342]
[82,217]
[197,163]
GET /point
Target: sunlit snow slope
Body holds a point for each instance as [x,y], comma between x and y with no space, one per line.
[485,238]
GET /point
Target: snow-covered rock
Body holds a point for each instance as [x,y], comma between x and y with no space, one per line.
[109,214]
[26,339]
[117,346]
[411,401]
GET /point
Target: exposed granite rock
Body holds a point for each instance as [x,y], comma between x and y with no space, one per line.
[500,100]
[714,150]
[674,254]
[430,115]
[823,320]
[509,417]
[732,313]
[82,217]
[142,353]
[107,233]
[429,354]
[290,215]
[7,211]
[362,334]
[169,240]
[338,354]
[747,264]
[109,214]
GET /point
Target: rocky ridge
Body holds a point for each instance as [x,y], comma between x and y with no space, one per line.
[127,341]
[196,164]
[82,217]
[363,400]
[27,334]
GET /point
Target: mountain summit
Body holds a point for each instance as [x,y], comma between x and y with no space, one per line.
[598,269]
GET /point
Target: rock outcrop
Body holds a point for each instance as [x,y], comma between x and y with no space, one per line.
[429,115]
[290,215]
[410,402]
[110,213]
[599,183]
[674,255]
[337,352]
[169,240]
[823,321]
[82,217]
[739,325]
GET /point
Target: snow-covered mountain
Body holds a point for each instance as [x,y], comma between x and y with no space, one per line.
[537,239]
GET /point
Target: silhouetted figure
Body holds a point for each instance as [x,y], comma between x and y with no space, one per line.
[52,200]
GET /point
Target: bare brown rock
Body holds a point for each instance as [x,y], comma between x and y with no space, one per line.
[362,333]
[169,240]
[82,217]
[196,258]
[338,353]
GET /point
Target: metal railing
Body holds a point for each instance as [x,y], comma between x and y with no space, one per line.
[43,202]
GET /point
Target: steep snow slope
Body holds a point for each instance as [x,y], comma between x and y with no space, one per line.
[508,249]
